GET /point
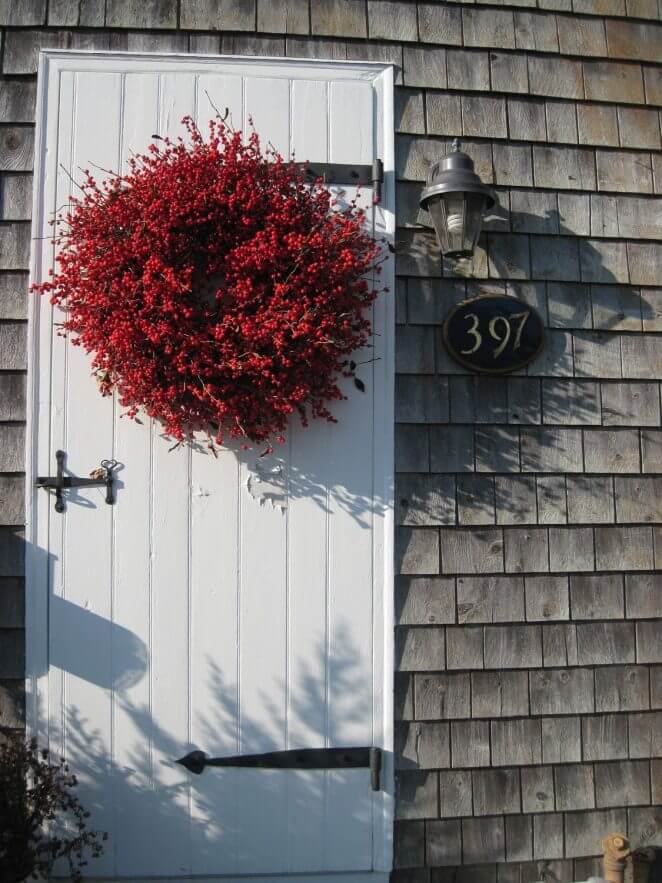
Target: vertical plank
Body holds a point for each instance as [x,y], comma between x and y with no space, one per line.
[59,349]
[263,665]
[214,645]
[307,553]
[224,92]
[86,609]
[135,818]
[350,527]
[171,640]
[268,106]
[309,128]
[263,587]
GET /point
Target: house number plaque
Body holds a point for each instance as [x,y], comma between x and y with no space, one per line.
[493,334]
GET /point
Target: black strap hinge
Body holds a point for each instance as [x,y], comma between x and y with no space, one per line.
[295,759]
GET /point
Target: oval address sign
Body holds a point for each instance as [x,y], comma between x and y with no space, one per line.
[493,333]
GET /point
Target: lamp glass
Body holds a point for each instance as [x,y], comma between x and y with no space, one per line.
[457,220]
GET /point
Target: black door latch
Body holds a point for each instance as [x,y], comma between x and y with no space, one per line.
[295,759]
[102,475]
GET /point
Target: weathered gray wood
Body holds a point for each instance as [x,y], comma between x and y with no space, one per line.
[643,595]
[442,696]
[422,745]
[424,600]
[496,791]
[13,295]
[638,498]
[551,450]
[649,641]
[645,734]
[571,402]
[17,101]
[425,500]
[551,499]
[408,844]
[419,649]
[590,499]
[483,840]
[564,168]
[630,404]
[471,551]
[12,447]
[526,550]
[564,691]
[416,551]
[12,704]
[642,356]
[12,396]
[468,70]
[571,548]
[556,358]
[621,688]
[559,644]
[451,449]
[412,449]
[622,784]
[470,743]
[573,787]
[12,653]
[444,842]
[623,548]
[76,13]
[516,742]
[16,197]
[605,643]
[478,400]
[414,350]
[515,499]
[464,647]
[16,148]
[454,793]
[597,354]
[546,598]
[585,834]
[497,449]
[537,789]
[416,795]
[475,499]
[611,450]
[282,16]
[605,737]
[616,307]
[561,740]
[403,695]
[12,551]
[547,836]
[23,12]
[499,694]
[597,597]
[14,246]
[523,400]
[490,599]
[12,602]
[513,646]
[12,502]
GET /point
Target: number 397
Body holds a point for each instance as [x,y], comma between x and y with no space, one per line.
[500,329]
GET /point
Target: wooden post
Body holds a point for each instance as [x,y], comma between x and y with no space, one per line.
[616,851]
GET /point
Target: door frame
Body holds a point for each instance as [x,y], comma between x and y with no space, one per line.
[39,453]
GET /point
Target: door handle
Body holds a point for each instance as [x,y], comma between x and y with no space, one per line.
[295,759]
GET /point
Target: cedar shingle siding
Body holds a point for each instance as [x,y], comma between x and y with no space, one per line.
[529,513]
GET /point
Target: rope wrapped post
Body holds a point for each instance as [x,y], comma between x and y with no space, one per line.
[616,849]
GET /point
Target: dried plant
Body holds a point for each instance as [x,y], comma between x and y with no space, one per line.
[41,818]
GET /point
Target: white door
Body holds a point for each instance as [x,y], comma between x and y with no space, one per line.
[197,612]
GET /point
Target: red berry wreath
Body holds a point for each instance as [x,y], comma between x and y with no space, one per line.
[218,289]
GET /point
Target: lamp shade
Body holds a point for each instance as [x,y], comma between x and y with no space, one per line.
[456,200]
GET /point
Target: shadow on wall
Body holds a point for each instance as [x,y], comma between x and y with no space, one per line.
[164,820]
[585,315]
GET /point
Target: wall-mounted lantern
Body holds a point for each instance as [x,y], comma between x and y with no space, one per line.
[456,200]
